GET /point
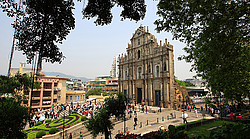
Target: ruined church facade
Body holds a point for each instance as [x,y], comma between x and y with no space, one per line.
[146,70]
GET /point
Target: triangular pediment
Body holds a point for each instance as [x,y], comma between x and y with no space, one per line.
[138,32]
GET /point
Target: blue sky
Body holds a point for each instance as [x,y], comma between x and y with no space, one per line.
[90,49]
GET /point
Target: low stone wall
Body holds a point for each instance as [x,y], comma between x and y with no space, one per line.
[74,130]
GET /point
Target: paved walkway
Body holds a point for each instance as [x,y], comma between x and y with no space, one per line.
[153,125]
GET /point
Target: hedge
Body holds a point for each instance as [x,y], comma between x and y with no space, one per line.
[48,121]
[52,130]
[38,123]
[83,118]
[40,134]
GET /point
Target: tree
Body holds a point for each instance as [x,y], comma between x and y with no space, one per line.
[13,118]
[132,9]
[116,105]
[95,91]
[100,122]
[13,114]
[217,37]
[44,24]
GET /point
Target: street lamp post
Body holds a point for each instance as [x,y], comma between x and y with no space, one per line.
[63,123]
[182,102]
[187,99]
[179,99]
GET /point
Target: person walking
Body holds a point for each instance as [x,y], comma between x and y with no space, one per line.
[70,136]
[80,135]
[135,120]
[195,111]
[184,117]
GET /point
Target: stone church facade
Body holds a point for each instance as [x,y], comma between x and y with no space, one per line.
[146,71]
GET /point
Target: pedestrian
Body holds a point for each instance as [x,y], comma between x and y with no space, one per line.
[146,109]
[201,107]
[80,135]
[184,117]
[70,136]
[135,120]
[239,117]
[195,111]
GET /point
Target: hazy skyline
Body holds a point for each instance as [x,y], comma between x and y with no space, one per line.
[90,49]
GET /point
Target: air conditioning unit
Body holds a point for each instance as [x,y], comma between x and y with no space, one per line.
[59,89]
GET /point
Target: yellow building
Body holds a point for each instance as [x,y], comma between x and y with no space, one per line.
[75,96]
[52,91]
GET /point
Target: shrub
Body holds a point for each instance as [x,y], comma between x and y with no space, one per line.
[83,118]
[52,130]
[40,134]
[73,112]
[38,123]
[48,121]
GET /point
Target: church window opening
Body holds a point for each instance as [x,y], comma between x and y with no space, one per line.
[139,54]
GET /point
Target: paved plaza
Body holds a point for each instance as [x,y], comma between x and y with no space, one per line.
[153,123]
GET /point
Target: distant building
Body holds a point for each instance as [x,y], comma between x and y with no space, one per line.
[74,85]
[197,82]
[106,83]
[111,85]
[52,91]
[146,71]
[75,96]
[114,68]
[22,70]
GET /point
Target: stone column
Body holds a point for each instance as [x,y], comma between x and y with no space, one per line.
[41,95]
[52,93]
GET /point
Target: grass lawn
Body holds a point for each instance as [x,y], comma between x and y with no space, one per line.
[69,120]
[203,130]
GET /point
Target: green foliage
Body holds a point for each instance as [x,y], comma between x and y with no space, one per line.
[84,118]
[42,26]
[184,83]
[56,123]
[40,133]
[239,131]
[116,106]
[132,9]
[48,121]
[13,118]
[13,115]
[53,130]
[95,91]
[74,112]
[100,123]
[216,33]
[38,123]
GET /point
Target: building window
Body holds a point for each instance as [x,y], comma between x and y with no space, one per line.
[149,68]
[139,41]
[81,97]
[139,54]
[67,98]
[71,97]
[157,71]
[75,98]
[165,66]
[78,97]
[139,73]
[125,75]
